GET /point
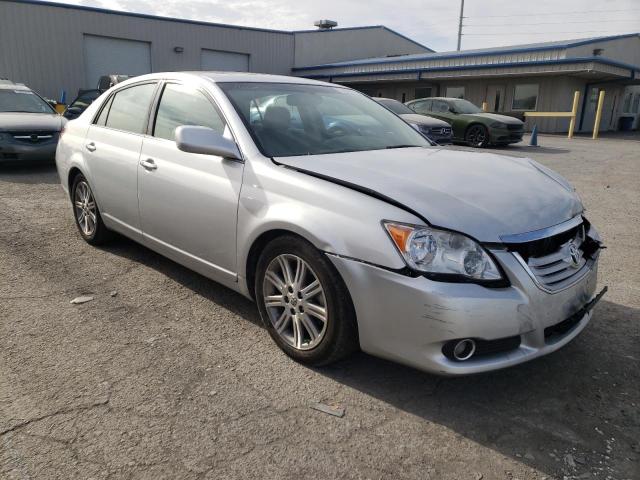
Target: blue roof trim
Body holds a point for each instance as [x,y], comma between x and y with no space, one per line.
[146,16]
[462,54]
[605,61]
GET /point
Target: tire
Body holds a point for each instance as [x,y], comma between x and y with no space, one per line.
[303,335]
[477,136]
[86,213]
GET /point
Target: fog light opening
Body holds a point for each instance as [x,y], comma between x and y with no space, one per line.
[464,349]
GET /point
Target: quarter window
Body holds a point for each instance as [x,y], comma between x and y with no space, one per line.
[102,118]
[525,97]
[182,105]
[130,108]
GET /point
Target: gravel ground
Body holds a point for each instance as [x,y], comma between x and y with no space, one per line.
[166,374]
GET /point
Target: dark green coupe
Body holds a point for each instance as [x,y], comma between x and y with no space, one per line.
[470,124]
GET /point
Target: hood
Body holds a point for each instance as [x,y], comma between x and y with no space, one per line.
[29,122]
[496,117]
[423,120]
[481,194]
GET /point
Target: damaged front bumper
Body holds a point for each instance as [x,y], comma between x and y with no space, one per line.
[411,319]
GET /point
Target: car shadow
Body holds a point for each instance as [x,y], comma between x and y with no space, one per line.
[33,174]
[200,285]
[567,403]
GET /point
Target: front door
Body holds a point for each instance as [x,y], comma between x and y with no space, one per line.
[495,98]
[189,202]
[112,149]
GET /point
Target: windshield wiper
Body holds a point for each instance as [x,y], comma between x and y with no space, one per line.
[401,146]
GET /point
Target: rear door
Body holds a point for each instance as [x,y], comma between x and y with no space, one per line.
[112,150]
[189,202]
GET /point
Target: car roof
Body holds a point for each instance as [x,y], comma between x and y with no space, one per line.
[378,99]
[8,85]
[223,77]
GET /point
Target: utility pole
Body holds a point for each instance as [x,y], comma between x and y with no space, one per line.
[460,24]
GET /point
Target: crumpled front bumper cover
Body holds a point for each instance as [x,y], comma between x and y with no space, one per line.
[409,319]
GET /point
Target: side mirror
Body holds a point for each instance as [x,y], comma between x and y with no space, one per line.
[74,110]
[205,141]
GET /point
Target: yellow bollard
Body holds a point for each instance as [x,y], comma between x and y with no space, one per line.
[574,113]
[596,124]
[485,107]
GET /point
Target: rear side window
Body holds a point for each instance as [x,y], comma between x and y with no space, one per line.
[130,108]
[421,107]
[182,105]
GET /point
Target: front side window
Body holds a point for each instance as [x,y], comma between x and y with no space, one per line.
[22,101]
[293,119]
[525,97]
[129,108]
[182,105]
[440,106]
[463,106]
[455,92]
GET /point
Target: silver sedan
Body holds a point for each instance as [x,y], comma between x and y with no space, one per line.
[345,225]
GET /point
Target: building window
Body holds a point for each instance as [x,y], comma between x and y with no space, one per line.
[626,107]
[636,103]
[423,92]
[455,92]
[525,97]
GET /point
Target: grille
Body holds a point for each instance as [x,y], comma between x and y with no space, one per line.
[441,130]
[556,262]
[33,137]
[515,127]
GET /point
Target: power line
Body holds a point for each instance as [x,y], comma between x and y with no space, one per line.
[546,23]
[554,13]
[540,33]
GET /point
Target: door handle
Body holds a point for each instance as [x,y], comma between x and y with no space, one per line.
[91,146]
[148,164]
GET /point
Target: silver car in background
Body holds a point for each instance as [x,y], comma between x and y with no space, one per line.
[347,228]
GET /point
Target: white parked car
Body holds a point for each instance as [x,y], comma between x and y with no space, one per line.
[344,224]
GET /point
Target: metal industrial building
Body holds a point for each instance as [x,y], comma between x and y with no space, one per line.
[537,77]
[54,47]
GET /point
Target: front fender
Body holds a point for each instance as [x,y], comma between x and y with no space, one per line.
[334,218]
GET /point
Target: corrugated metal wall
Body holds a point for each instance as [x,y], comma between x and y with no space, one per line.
[42,45]
[328,46]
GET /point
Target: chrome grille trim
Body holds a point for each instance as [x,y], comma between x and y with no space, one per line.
[556,272]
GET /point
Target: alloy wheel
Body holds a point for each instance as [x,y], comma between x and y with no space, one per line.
[295,302]
[477,136]
[85,208]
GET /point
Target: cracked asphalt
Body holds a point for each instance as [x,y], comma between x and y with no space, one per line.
[174,378]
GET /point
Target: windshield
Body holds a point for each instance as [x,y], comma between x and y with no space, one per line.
[464,106]
[395,106]
[85,99]
[292,119]
[22,101]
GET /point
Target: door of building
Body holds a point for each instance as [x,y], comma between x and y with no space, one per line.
[495,98]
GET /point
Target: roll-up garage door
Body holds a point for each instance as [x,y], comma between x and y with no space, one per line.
[224,61]
[106,55]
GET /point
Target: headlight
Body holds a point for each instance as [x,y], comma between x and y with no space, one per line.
[499,125]
[442,253]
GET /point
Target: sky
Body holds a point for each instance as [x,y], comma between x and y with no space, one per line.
[434,23]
